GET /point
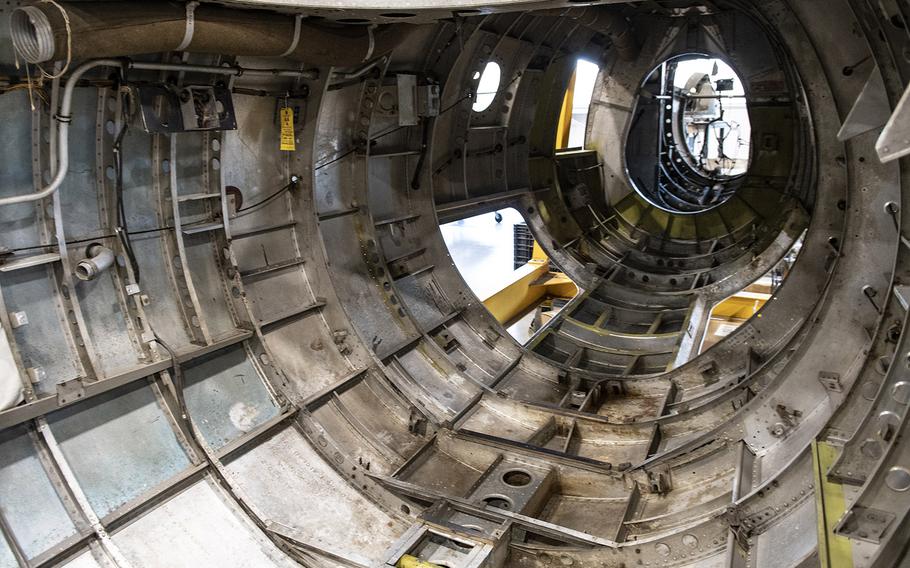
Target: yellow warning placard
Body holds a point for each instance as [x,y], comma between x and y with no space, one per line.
[287,129]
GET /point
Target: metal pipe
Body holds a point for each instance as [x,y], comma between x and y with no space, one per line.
[234,70]
[63,125]
[360,71]
[98,259]
[63,116]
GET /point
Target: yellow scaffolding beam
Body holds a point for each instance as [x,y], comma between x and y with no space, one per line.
[530,284]
[742,305]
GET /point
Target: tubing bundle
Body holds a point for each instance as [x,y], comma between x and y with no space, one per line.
[41,32]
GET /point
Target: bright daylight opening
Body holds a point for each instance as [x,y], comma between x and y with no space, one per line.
[486,89]
[585,77]
[500,262]
[573,121]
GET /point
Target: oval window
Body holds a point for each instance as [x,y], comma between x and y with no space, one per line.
[689,145]
[486,88]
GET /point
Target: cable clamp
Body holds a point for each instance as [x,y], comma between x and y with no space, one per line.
[372,44]
[297,19]
[190,26]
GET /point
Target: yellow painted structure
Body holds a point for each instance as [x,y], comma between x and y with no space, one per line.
[705,226]
[531,284]
[743,305]
[834,551]
[408,561]
[565,116]
[735,311]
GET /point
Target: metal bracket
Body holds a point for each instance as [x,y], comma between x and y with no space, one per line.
[830,381]
[36,374]
[70,391]
[659,480]
[407,99]
[490,336]
[18,319]
[902,293]
[445,340]
[415,100]
[894,141]
[193,108]
[428,100]
[870,111]
[864,524]
[417,422]
[709,372]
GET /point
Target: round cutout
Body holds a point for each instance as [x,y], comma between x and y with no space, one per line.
[516,478]
[498,502]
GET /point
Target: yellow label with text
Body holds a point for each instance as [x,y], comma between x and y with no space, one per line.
[287,129]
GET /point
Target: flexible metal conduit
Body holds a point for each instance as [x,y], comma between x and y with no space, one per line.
[63,116]
[76,31]
[32,34]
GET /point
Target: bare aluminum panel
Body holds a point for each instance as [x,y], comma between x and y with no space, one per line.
[162,312]
[416,293]
[452,391]
[200,253]
[784,542]
[42,342]
[226,395]
[7,560]
[19,220]
[359,291]
[119,445]
[291,484]
[24,489]
[84,560]
[196,528]
[107,324]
